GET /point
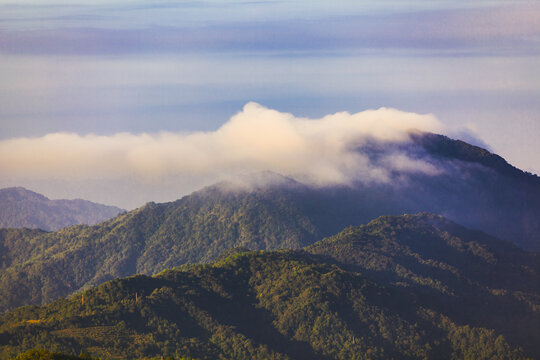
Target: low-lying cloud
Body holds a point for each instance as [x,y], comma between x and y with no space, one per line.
[316,151]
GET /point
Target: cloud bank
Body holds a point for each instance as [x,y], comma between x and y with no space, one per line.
[316,151]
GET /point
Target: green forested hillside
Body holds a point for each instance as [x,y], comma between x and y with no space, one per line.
[40,354]
[20,208]
[41,266]
[38,266]
[467,275]
[258,305]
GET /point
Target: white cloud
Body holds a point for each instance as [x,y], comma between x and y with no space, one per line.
[318,151]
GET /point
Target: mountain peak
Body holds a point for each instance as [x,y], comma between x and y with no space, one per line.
[443,146]
[253,182]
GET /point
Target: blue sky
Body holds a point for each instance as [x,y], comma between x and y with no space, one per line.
[109,67]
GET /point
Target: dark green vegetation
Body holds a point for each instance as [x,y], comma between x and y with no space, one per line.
[409,287]
[38,267]
[39,354]
[474,187]
[24,208]
[467,275]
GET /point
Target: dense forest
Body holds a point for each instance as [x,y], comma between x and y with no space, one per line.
[20,208]
[40,354]
[467,275]
[147,240]
[249,306]
[410,287]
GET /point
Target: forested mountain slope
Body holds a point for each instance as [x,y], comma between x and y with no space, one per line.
[467,275]
[472,186]
[268,305]
[20,208]
[157,236]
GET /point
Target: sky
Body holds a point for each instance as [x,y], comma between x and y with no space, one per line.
[128,101]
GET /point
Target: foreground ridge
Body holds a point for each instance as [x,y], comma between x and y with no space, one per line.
[370,292]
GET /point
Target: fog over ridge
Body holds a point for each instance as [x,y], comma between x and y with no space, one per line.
[321,151]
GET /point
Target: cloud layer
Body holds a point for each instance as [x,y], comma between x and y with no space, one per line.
[147,28]
[318,151]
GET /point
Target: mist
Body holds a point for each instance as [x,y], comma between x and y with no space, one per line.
[316,151]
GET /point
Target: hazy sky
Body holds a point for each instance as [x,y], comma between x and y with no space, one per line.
[101,82]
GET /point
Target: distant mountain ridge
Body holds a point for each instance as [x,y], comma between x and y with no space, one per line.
[20,208]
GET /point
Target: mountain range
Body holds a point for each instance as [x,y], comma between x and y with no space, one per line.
[409,286]
[20,207]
